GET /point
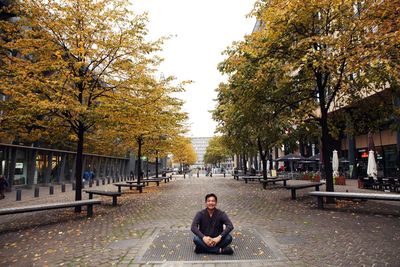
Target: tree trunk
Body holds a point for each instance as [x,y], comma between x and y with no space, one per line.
[327,167]
[244,164]
[139,168]
[157,164]
[263,157]
[326,152]
[270,159]
[13,161]
[385,174]
[79,166]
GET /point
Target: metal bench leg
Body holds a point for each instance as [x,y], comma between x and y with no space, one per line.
[293,193]
[158,183]
[140,189]
[320,202]
[284,183]
[245,181]
[90,196]
[90,210]
[114,200]
[265,186]
[119,189]
[317,188]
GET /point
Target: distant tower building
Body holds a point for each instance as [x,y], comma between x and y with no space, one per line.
[200,145]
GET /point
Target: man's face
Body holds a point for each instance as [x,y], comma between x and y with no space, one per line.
[211,203]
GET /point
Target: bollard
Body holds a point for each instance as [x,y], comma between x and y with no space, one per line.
[197,174]
[18,195]
[103,181]
[36,192]
[97,182]
[224,174]
[63,187]
[73,186]
[113,180]
[184,175]
[51,190]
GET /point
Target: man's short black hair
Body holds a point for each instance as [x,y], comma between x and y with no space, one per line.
[211,195]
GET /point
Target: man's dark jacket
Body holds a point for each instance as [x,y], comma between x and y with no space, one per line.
[204,225]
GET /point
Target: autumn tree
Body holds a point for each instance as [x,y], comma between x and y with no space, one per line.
[321,50]
[183,152]
[148,118]
[66,63]
[244,103]
[236,135]
[216,151]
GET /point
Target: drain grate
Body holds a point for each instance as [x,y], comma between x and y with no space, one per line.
[177,245]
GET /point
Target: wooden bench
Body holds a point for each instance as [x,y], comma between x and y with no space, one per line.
[112,194]
[350,195]
[138,187]
[294,187]
[236,176]
[166,179]
[150,180]
[273,180]
[89,203]
[134,181]
[252,178]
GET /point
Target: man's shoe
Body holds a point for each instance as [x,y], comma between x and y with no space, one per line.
[198,250]
[227,251]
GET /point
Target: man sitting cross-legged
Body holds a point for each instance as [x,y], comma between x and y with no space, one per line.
[208,227]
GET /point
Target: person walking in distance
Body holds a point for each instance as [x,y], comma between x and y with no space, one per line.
[211,227]
[3,186]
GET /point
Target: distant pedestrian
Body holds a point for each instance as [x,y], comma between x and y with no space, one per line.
[86,176]
[3,186]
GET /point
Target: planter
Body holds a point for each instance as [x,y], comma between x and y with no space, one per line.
[360,183]
[340,180]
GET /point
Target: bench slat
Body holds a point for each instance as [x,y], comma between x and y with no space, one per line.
[40,207]
[273,180]
[103,193]
[130,185]
[139,187]
[301,186]
[295,187]
[394,197]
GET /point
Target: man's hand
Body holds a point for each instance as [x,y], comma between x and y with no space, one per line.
[216,240]
[208,241]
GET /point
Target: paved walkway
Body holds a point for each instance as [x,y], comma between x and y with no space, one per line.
[298,234]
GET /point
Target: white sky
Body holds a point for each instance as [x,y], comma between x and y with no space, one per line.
[203,29]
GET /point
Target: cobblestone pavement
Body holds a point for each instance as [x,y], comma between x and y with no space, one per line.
[347,233]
